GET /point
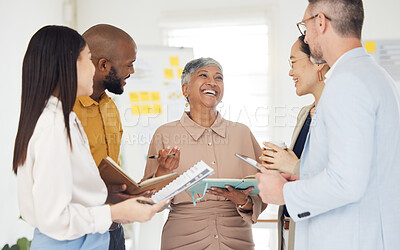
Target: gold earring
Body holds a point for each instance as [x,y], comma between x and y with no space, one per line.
[320,76]
[187,102]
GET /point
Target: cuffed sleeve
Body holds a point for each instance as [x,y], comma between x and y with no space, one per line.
[252,215]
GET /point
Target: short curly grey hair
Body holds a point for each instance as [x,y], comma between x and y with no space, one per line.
[194,65]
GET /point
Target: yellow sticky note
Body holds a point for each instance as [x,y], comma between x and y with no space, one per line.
[145,109]
[174,61]
[180,72]
[155,96]
[144,96]
[370,46]
[157,109]
[169,73]
[134,96]
[135,109]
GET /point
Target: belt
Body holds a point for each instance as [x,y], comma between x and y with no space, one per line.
[114,226]
[286,222]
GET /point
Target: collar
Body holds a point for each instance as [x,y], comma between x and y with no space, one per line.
[360,51]
[196,131]
[54,104]
[87,101]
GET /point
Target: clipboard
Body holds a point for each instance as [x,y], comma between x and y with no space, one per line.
[240,184]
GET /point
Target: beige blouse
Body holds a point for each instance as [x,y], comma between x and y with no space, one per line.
[216,146]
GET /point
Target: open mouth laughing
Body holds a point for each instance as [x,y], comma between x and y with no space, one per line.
[209,92]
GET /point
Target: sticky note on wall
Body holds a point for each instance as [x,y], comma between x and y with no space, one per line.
[134,96]
[174,61]
[144,96]
[157,109]
[145,109]
[169,73]
[135,109]
[180,72]
[155,96]
[370,46]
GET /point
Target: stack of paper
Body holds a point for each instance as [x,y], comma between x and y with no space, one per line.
[190,177]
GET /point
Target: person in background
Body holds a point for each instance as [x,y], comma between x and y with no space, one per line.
[347,194]
[60,191]
[308,79]
[223,218]
[113,54]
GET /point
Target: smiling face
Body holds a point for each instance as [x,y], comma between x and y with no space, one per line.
[121,68]
[85,72]
[205,88]
[303,71]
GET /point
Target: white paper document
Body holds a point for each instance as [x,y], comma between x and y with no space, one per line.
[190,177]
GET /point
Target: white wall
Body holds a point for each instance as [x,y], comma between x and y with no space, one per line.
[20,19]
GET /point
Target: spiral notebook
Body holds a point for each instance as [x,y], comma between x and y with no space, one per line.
[190,177]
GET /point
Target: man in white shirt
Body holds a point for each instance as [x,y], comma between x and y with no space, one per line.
[347,196]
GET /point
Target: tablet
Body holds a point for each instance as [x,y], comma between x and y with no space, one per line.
[250,161]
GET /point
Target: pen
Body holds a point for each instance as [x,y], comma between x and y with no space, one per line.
[158,156]
[152,203]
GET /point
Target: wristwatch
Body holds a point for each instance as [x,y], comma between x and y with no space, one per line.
[245,204]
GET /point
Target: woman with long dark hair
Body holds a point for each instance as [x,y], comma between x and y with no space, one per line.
[60,190]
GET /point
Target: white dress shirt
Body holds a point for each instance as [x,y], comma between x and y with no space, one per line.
[60,190]
[348,193]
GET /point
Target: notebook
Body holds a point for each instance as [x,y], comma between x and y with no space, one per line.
[187,179]
[112,174]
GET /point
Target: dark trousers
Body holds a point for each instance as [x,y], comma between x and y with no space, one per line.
[117,239]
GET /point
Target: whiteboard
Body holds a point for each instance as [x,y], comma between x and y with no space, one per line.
[387,54]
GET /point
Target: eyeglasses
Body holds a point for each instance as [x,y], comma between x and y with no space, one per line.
[302,24]
[295,60]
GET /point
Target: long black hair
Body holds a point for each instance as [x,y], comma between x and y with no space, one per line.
[49,65]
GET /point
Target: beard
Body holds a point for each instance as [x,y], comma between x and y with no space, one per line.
[113,82]
[316,55]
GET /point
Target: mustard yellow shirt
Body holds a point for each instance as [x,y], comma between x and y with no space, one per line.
[102,125]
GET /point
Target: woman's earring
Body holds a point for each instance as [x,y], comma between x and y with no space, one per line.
[187,102]
[320,76]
